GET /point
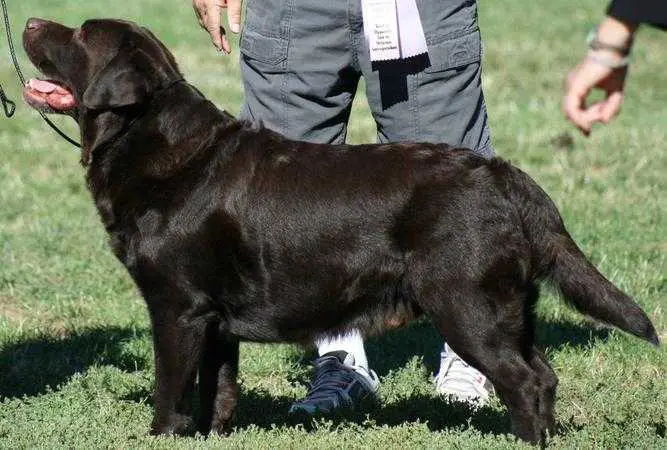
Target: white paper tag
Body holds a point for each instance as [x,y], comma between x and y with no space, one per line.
[393,29]
[381,29]
[411,33]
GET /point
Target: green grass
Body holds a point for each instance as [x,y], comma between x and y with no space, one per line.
[76,364]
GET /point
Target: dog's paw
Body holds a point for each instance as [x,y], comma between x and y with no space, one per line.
[174,424]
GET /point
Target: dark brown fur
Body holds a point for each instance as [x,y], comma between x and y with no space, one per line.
[234,233]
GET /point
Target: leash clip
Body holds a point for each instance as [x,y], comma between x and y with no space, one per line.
[8,105]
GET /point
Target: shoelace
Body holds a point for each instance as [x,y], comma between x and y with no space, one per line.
[329,379]
[455,371]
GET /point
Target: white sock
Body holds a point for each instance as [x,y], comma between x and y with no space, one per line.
[446,349]
[351,342]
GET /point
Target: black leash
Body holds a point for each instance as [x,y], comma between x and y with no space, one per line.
[8,105]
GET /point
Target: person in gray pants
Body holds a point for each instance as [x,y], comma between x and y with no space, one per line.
[301,62]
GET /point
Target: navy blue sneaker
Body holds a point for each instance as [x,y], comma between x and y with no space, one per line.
[337,385]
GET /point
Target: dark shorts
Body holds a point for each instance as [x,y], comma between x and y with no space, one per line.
[301,61]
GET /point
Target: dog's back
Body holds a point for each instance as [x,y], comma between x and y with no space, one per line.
[336,233]
[341,229]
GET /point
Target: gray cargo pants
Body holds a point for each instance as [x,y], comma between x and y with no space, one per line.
[301,61]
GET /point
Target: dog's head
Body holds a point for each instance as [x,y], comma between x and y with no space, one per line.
[103,65]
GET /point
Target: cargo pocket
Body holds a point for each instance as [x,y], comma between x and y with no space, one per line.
[265,33]
[268,50]
[454,52]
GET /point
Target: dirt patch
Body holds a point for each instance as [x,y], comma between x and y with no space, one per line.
[18,315]
[13,311]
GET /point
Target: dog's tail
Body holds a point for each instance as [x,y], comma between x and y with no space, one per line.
[557,257]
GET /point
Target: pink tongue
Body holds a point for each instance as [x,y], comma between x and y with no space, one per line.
[61,101]
[45,87]
[55,95]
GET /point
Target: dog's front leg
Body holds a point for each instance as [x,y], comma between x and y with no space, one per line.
[218,389]
[178,338]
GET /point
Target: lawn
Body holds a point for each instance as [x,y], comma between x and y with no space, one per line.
[76,363]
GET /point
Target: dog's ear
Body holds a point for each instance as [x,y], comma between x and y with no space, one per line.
[125,80]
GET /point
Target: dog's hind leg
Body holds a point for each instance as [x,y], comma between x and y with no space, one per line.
[491,336]
[548,383]
[218,389]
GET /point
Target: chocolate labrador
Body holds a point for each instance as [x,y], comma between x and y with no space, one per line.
[234,233]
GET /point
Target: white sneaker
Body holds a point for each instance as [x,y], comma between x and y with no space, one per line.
[461,381]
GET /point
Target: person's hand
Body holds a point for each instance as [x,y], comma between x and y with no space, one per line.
[605,68]
[586,76]
[208,12]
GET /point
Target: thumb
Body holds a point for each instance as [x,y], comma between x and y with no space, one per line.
[234,15]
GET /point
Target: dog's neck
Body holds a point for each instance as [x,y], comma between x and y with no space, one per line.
[101,130]
[136,149]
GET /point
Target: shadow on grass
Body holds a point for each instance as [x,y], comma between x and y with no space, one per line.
[31,366]
[394,350]
[440,414]
[263,410]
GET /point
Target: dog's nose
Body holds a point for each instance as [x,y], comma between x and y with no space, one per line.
[34,23]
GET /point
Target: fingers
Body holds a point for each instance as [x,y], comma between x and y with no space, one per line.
[208,14]
[579,84]
[234,15]
[212,24]
[574,103]
[611,106]
[198,14]
[226,47]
